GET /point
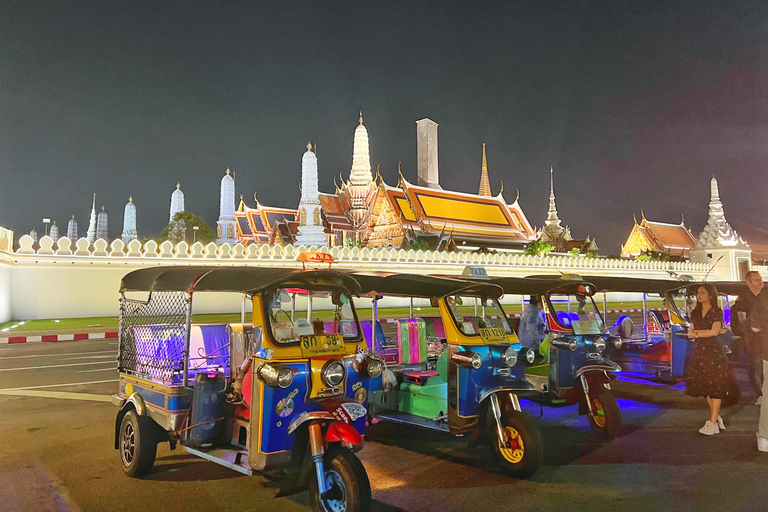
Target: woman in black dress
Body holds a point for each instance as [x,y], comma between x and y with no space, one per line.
[708,372]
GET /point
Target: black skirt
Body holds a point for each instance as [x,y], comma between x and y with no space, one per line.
[708,372]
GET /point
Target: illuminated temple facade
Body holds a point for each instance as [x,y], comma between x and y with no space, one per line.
[660,237]
[366,211]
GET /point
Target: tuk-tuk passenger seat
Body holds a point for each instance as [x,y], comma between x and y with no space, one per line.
[412,342]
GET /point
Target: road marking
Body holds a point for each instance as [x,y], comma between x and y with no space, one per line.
[60,385]
[99,370]
[57,394]
[109,356]
[55,355]
[52,366]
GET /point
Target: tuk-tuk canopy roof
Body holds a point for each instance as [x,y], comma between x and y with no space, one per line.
[723,287]
[542,285]
[249,280]
[635,284]
[417,285]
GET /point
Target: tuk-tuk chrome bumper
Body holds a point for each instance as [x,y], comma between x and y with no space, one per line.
[500,382]
[604,365]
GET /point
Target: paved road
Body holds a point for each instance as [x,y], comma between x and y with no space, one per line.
[56,433]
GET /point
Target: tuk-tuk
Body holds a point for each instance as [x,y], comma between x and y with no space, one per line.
[472,384]
[660,348]
[273,394]
[574,369]
[654,343]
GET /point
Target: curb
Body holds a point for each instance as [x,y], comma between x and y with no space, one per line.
[59,337]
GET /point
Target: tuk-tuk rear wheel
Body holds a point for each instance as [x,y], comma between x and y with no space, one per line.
[350,487]
[605,417]
[525,451]
[137,443]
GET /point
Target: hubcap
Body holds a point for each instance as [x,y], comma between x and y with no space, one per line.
[598,413]
[336,499]
[128,444]
[514,449]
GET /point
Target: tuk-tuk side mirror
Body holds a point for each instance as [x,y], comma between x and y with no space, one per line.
[433,302]
[338,298]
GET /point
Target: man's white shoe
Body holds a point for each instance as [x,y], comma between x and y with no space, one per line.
[709,429]
[762,444]
[759,400]
[720,423]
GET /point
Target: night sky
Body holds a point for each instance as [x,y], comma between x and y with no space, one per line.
[635,105]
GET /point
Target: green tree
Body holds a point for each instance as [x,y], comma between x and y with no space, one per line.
[538,248]
[419,245]
[351,242]
[574,252]
[180,229]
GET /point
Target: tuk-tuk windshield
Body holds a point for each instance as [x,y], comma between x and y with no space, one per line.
[567,309]
[294,312]
[474,313]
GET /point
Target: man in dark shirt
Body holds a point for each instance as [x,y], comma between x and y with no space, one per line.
[741,321]
[759,325]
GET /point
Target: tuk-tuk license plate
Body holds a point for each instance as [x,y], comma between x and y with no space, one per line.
[586,327]
[493,335]
[325,345]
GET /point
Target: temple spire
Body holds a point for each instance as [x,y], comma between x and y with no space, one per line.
[91,234]
[485,184]
[360,187]
[552,218]
[717,232]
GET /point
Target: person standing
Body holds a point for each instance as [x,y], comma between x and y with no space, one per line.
[532,330]
[741,320]
[759,325]
[708,372]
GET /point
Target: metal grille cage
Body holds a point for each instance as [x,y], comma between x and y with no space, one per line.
[153,335]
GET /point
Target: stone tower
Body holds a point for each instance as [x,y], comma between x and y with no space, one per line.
[311,231]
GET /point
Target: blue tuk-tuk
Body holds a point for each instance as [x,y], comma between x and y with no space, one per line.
[572,368]
[471,383]
[279,393]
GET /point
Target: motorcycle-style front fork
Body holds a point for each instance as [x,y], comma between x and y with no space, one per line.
[585,386]
[317,448]
[496,410]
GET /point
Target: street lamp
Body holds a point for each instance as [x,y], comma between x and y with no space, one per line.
[194,233]
[46,221]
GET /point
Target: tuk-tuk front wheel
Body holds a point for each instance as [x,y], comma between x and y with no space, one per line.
[138,443]
[521,452]
[605,416]
[350,489]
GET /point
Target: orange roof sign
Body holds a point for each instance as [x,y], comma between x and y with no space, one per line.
[315,258]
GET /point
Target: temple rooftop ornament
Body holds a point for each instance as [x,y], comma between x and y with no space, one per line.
[485,184]
[717,232]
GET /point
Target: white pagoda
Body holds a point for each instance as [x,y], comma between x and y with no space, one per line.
[719,245]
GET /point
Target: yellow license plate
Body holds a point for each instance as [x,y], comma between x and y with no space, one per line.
[493,335]
[325,345]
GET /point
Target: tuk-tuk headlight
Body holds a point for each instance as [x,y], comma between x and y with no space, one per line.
[510,357]
[600,345]
[572,344]
[275,375]
[333,373]
[467,359]
[374,368]
[530,356]
[617,342]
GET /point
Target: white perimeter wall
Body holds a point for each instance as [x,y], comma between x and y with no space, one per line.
[83,280]
[6,289]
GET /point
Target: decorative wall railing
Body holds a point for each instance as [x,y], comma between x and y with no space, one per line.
[100,250]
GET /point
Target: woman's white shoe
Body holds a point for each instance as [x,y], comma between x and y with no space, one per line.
[720,423]
[709,429]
